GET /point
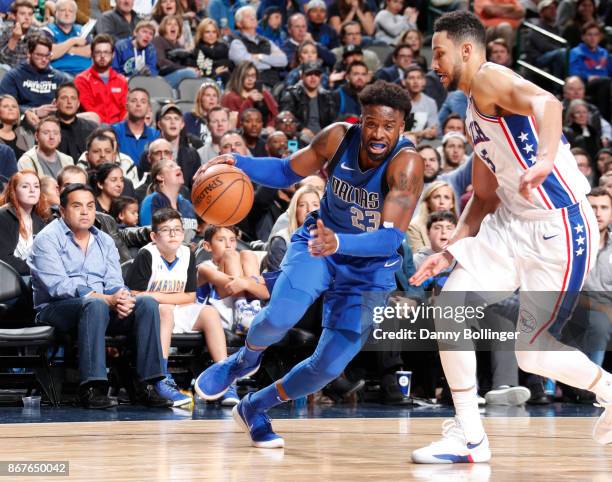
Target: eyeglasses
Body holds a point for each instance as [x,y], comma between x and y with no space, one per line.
[287,120]
[41,56]
[171,231]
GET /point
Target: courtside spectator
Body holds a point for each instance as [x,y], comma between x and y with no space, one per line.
[101,89]
[538,45]
[167,181]
[212,54]
[579,130]
[346,96]
[74,129]
[232,141]
[247,45]
[196,121]
[582,12]
[252,126]
[298,33]
[588,59]
[321,32]
[500,17]
[498,52]
[22,216]
[71,52]
[33,83]
[453,150]
[391,22]
[120,22]
[108,184]
[459,179]
[19,137]
[218,124]
[8,164]
[15,33]
[78,286]
[243,91]
[343,12]
[315,106]
[168,8]
[350,35]
[402,59]
[132,134]
[223,12]
[574,89]
[44,158]
[166,42]
[136,55]
[424,108]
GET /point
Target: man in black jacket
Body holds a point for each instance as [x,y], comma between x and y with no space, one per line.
[402,59]
[313,106]
[74,129]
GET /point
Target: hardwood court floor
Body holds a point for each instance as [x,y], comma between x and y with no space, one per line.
[316,450]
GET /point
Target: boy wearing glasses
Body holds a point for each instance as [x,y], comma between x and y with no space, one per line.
[165,269]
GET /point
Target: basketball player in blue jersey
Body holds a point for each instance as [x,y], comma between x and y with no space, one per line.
[528,226]
[348,247]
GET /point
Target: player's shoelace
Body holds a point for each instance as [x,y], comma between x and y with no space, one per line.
[452,429]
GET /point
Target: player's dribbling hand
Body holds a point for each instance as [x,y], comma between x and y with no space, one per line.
[222,159]
[434,264]
[323,240]
[533,177]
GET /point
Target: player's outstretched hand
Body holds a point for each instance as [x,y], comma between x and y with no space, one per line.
[323,240]
[533,177]
[434,264]
[222,159]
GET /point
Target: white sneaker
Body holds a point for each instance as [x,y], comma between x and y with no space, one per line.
[602,433]
[453,448]
[507,395]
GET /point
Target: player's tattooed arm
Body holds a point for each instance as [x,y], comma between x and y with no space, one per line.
[405,180]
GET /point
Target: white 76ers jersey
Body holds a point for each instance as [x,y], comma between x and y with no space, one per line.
[508,145]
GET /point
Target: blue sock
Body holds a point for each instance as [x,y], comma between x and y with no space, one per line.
[165,366]
[266,398]
[252,357]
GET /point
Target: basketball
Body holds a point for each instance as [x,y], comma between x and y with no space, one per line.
[223,196]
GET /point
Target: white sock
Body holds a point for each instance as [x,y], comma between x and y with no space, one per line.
[466,408]
[240,301]
[603,387]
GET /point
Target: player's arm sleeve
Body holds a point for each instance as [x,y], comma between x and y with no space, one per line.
[383,242]
[139,273]
[192,275]
[268,171]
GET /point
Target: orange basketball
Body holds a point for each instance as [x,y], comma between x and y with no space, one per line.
[223,196]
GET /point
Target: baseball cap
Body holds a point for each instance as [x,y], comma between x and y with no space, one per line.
[545,3]
[453,135]
[350,50]
[311,67]
[315,4]
[167,108]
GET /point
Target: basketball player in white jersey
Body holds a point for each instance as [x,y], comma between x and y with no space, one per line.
[528,226]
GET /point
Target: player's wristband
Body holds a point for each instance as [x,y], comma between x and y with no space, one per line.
[383,242]
[268,171]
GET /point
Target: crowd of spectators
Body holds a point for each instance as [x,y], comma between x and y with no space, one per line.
[95,172]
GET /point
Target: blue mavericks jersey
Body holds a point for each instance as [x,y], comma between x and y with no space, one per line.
[353,199]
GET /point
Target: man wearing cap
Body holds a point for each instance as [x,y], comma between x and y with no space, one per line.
[350,34]
[321,31]
[170,124]
[314,106]
[424,108]
[137,55]
[536,44]
[298,33]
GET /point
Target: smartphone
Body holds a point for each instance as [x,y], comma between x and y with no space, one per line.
[292,146]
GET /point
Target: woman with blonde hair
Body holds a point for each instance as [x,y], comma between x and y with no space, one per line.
[438,196]
[212,54]
[305,200]
[196,121]
[12,133]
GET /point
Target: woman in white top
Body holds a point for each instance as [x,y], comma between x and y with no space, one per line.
[22,214]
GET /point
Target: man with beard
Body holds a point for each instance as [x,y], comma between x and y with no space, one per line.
[276,145]
[286,122]
[346,96]
[218,124]
[459,179]
[75,130]
[528,225]
[102,90]
[133,134]
[347,247]
[424,108]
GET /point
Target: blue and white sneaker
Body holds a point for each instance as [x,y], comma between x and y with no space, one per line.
[166,388]
[453,448]
[257,425]
[213,382]
[231,397]
[602,433]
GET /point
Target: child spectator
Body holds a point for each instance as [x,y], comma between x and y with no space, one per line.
[165,269]
[125,211]
[440,226]
[229,277]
